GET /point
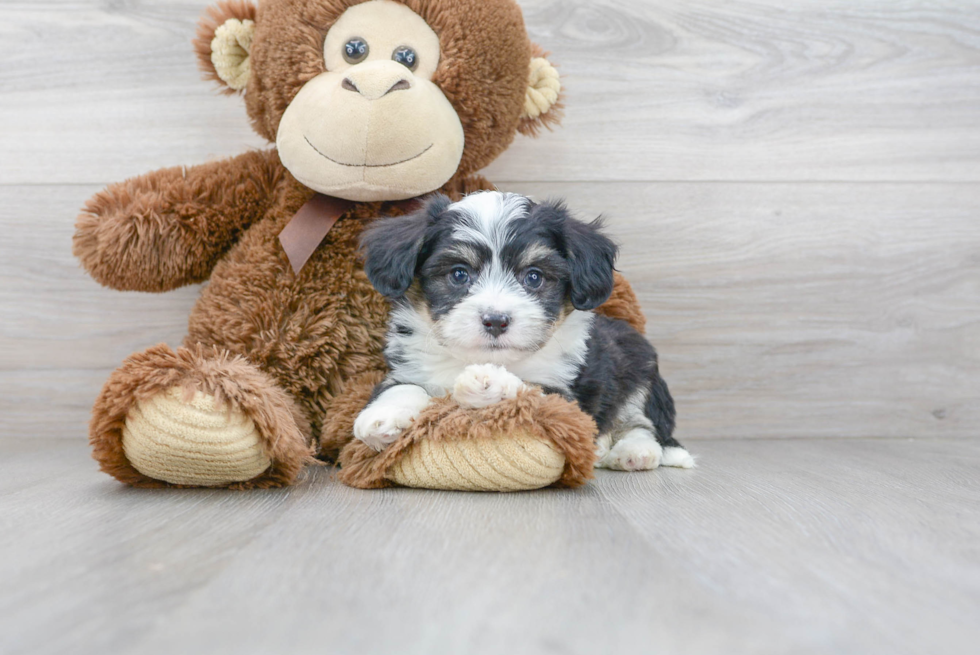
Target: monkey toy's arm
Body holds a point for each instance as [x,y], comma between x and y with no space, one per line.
[168,228]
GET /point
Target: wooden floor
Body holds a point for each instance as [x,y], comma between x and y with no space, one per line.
[796,187]
[769,546]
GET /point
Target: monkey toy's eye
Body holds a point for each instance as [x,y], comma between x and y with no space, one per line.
[533,278]
[355,50]
[459,275]
[406,56]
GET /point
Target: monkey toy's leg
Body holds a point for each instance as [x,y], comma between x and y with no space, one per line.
[199,416]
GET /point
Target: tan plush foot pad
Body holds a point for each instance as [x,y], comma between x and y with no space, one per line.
[503,462]
[192,441]
[529,442]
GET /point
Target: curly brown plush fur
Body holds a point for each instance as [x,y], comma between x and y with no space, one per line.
[296,352]
[622,304]
[169,228]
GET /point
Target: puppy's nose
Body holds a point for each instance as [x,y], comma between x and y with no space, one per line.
[496,324]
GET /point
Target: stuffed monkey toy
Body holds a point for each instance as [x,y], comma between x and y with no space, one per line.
[370,105]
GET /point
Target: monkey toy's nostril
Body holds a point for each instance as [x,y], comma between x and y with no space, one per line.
[496,324]
[370,88]
[400,85]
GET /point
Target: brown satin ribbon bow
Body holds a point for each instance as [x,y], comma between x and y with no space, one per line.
[307,228]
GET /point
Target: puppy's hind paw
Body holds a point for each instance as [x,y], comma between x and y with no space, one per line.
[677,457]
[481,385]
[637,451]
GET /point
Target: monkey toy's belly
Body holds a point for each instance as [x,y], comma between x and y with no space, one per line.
[311,331]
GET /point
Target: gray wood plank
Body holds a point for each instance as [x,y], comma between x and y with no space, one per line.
[97,91]
[846,541]
[780,310]
[760,90]
[809,546]
[84,553]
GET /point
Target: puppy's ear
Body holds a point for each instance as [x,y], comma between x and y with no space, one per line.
[590,256]
[391,247]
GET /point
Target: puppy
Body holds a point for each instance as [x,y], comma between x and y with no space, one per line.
[495,292]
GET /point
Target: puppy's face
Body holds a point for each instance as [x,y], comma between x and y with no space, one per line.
[495,273]
[494,278]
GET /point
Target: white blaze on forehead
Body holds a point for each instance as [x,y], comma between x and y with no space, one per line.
[486,217]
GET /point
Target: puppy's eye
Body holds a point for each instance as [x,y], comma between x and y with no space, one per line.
[459,275]
[533,278]
[406,56]
[355,50]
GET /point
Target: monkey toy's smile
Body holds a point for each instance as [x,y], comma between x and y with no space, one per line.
[367,164]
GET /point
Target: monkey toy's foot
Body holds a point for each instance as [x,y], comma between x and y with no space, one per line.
[190,438]
[197,417]
[528,441]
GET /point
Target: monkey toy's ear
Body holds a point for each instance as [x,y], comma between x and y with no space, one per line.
[224,41]
[542,100]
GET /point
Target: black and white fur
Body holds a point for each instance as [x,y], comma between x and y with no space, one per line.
[495,292]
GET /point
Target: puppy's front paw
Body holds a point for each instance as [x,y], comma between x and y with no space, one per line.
[383,421]
[638,450]
[380,426]
[480,385]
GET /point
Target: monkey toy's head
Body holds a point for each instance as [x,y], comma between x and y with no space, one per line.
[381,99]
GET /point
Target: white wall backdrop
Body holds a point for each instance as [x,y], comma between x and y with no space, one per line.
[796,187]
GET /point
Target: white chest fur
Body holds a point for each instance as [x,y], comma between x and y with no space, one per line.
[423,360]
